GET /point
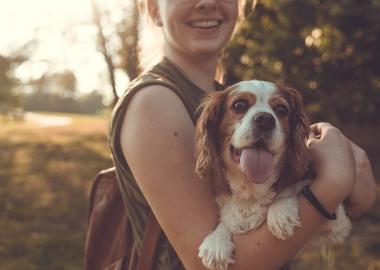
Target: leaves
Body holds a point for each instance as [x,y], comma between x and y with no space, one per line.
[326,49]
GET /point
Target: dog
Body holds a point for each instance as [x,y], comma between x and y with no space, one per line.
[254,133]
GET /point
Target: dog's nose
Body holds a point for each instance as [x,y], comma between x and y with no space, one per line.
[264,121]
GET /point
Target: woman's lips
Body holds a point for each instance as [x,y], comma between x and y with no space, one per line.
[205,24]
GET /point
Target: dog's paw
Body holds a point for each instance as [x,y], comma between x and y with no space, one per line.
[283,217]
[334,231]
[339,229]
[216,250]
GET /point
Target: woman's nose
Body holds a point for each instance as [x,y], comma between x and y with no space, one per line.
[207,4]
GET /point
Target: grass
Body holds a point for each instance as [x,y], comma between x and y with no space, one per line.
[45,176]
[45,180]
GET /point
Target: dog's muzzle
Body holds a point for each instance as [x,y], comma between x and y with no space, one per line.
[264,121]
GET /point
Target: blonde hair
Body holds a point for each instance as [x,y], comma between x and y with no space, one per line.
[151,38]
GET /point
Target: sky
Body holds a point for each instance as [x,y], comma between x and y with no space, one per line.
[66,40]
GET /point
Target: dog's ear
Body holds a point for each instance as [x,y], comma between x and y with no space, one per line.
[210,113]
[298,159]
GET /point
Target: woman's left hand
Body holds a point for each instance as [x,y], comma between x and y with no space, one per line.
[363,195]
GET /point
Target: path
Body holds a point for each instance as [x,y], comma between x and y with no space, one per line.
[43,120]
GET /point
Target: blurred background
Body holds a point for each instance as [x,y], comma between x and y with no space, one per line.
[64,63]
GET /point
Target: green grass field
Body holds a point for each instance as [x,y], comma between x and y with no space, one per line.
[45,179]
[45,176]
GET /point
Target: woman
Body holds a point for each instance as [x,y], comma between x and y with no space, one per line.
[152,140]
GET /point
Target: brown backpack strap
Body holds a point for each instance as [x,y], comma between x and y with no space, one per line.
[149,244]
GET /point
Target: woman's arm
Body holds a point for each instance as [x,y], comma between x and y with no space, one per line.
[363,196]
[158,141]
[258,249]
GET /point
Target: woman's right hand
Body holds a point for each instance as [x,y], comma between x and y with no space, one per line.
[333,159]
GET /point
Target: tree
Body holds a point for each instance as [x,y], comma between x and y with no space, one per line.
[9,98]
[91,103]
[62,83]
[65,83]
[326,49]
[126,34]
[56,92]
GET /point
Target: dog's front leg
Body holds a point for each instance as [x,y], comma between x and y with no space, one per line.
[283,217]
[216,250]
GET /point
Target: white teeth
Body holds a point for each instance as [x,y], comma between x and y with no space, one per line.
[204,24]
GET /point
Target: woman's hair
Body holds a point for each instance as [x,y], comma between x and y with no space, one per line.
[151,38]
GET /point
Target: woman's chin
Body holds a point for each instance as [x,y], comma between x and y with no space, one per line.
[206,49]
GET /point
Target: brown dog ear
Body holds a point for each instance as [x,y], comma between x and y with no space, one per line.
[210,113]
[298,159]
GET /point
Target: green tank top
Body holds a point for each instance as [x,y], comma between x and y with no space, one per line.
[168,75]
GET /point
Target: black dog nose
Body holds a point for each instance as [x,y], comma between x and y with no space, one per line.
[264,121]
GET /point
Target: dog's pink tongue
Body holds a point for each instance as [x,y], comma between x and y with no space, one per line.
[257,164]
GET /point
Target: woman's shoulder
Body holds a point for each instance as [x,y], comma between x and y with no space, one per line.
[151,89]
[146,103]
[156,99]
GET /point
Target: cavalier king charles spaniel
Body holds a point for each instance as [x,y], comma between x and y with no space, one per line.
[251,141]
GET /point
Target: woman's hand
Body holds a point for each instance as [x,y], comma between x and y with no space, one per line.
[333,159]
[342,167]
[363,194]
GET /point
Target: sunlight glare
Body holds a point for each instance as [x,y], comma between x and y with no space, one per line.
[65,37]
[19,19]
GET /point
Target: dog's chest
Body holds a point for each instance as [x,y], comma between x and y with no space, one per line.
[242,216]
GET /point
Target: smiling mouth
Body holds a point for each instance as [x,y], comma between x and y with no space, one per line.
[205,24]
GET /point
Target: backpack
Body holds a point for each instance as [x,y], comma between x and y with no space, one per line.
[109,240]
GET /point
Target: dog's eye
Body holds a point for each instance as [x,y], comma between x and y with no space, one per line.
[281,111]
[240,106]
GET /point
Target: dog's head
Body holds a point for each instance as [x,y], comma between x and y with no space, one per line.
[254,130]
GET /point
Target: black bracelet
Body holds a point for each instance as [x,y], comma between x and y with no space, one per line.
[318,206]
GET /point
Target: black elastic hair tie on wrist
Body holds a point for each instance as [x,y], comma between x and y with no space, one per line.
[317,205]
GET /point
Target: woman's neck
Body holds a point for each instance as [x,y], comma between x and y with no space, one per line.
[201,71]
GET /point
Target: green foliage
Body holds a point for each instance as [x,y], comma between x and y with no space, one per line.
[65,82]
[91,103]
[327,49]
[59,83]
[8,97]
